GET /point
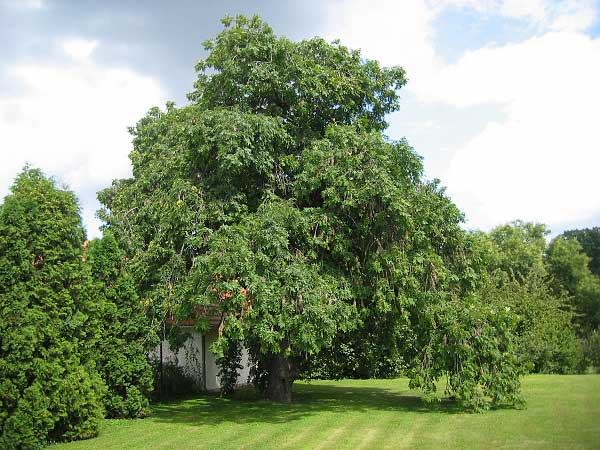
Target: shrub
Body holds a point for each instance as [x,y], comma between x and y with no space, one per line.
[590,349]
[229,367]
[370,351]
[79,396]
[545,334]
[126,339]
[172,381]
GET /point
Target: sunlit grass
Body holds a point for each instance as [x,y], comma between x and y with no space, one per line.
[563,412]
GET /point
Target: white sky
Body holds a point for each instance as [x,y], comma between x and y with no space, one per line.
[502,99]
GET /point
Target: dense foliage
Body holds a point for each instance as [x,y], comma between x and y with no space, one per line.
[122,351]
[275,201]
[514,271]
[371,350]
[518,249]
[570,270]
[229,366]
[589,238]
[545,337]
[49,388]
[570,266]
[520,278]
[591,350]
[551,288]
[471,345]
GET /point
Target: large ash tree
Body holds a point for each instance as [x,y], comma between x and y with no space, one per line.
[274,200]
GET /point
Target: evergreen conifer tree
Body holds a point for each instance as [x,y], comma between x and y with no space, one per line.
[122,351]
[49,388]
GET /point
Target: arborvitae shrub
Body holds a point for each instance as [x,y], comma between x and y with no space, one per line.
[49,389]
[123,348]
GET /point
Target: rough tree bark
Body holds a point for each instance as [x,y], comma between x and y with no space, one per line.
[282,373]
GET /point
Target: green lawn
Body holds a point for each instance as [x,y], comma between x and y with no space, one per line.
[563,412]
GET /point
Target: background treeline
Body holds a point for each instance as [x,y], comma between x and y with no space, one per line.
[553,288]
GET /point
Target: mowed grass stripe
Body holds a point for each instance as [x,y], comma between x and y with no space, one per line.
[335,433]
[378,428]
[368,439]
[156,436]
[293,435]
[562,413]
[250,437]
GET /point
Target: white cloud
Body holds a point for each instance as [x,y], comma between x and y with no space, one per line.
[390,31]
[565,15]
[535,10]
[23,4]
[71,121]
[540,161]
[574,15]
[79,49]
[558,15]
[403,33]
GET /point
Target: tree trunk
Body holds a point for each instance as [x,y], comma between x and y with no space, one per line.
[282,372]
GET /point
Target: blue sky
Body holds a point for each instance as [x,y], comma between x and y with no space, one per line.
[502,100]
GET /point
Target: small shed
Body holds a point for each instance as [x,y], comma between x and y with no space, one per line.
[197,361]
[194,357]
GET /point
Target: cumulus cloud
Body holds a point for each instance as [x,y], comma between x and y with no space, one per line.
[569,15]
[393,32]
[71,121]
[538,158]
[79,49]
[541,162]
[565,15]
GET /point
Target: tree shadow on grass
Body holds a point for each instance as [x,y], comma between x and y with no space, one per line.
[309,399]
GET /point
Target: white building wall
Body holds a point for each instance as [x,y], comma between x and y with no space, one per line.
[189,357]
[212,370]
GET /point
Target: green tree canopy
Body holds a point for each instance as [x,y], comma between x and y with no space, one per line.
[589,238]
[307,85]
[515,275]
[569,267]
[545,334]
[274,200]
[519,248]
[49,389]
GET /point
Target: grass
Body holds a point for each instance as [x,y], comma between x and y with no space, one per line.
[562,412]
